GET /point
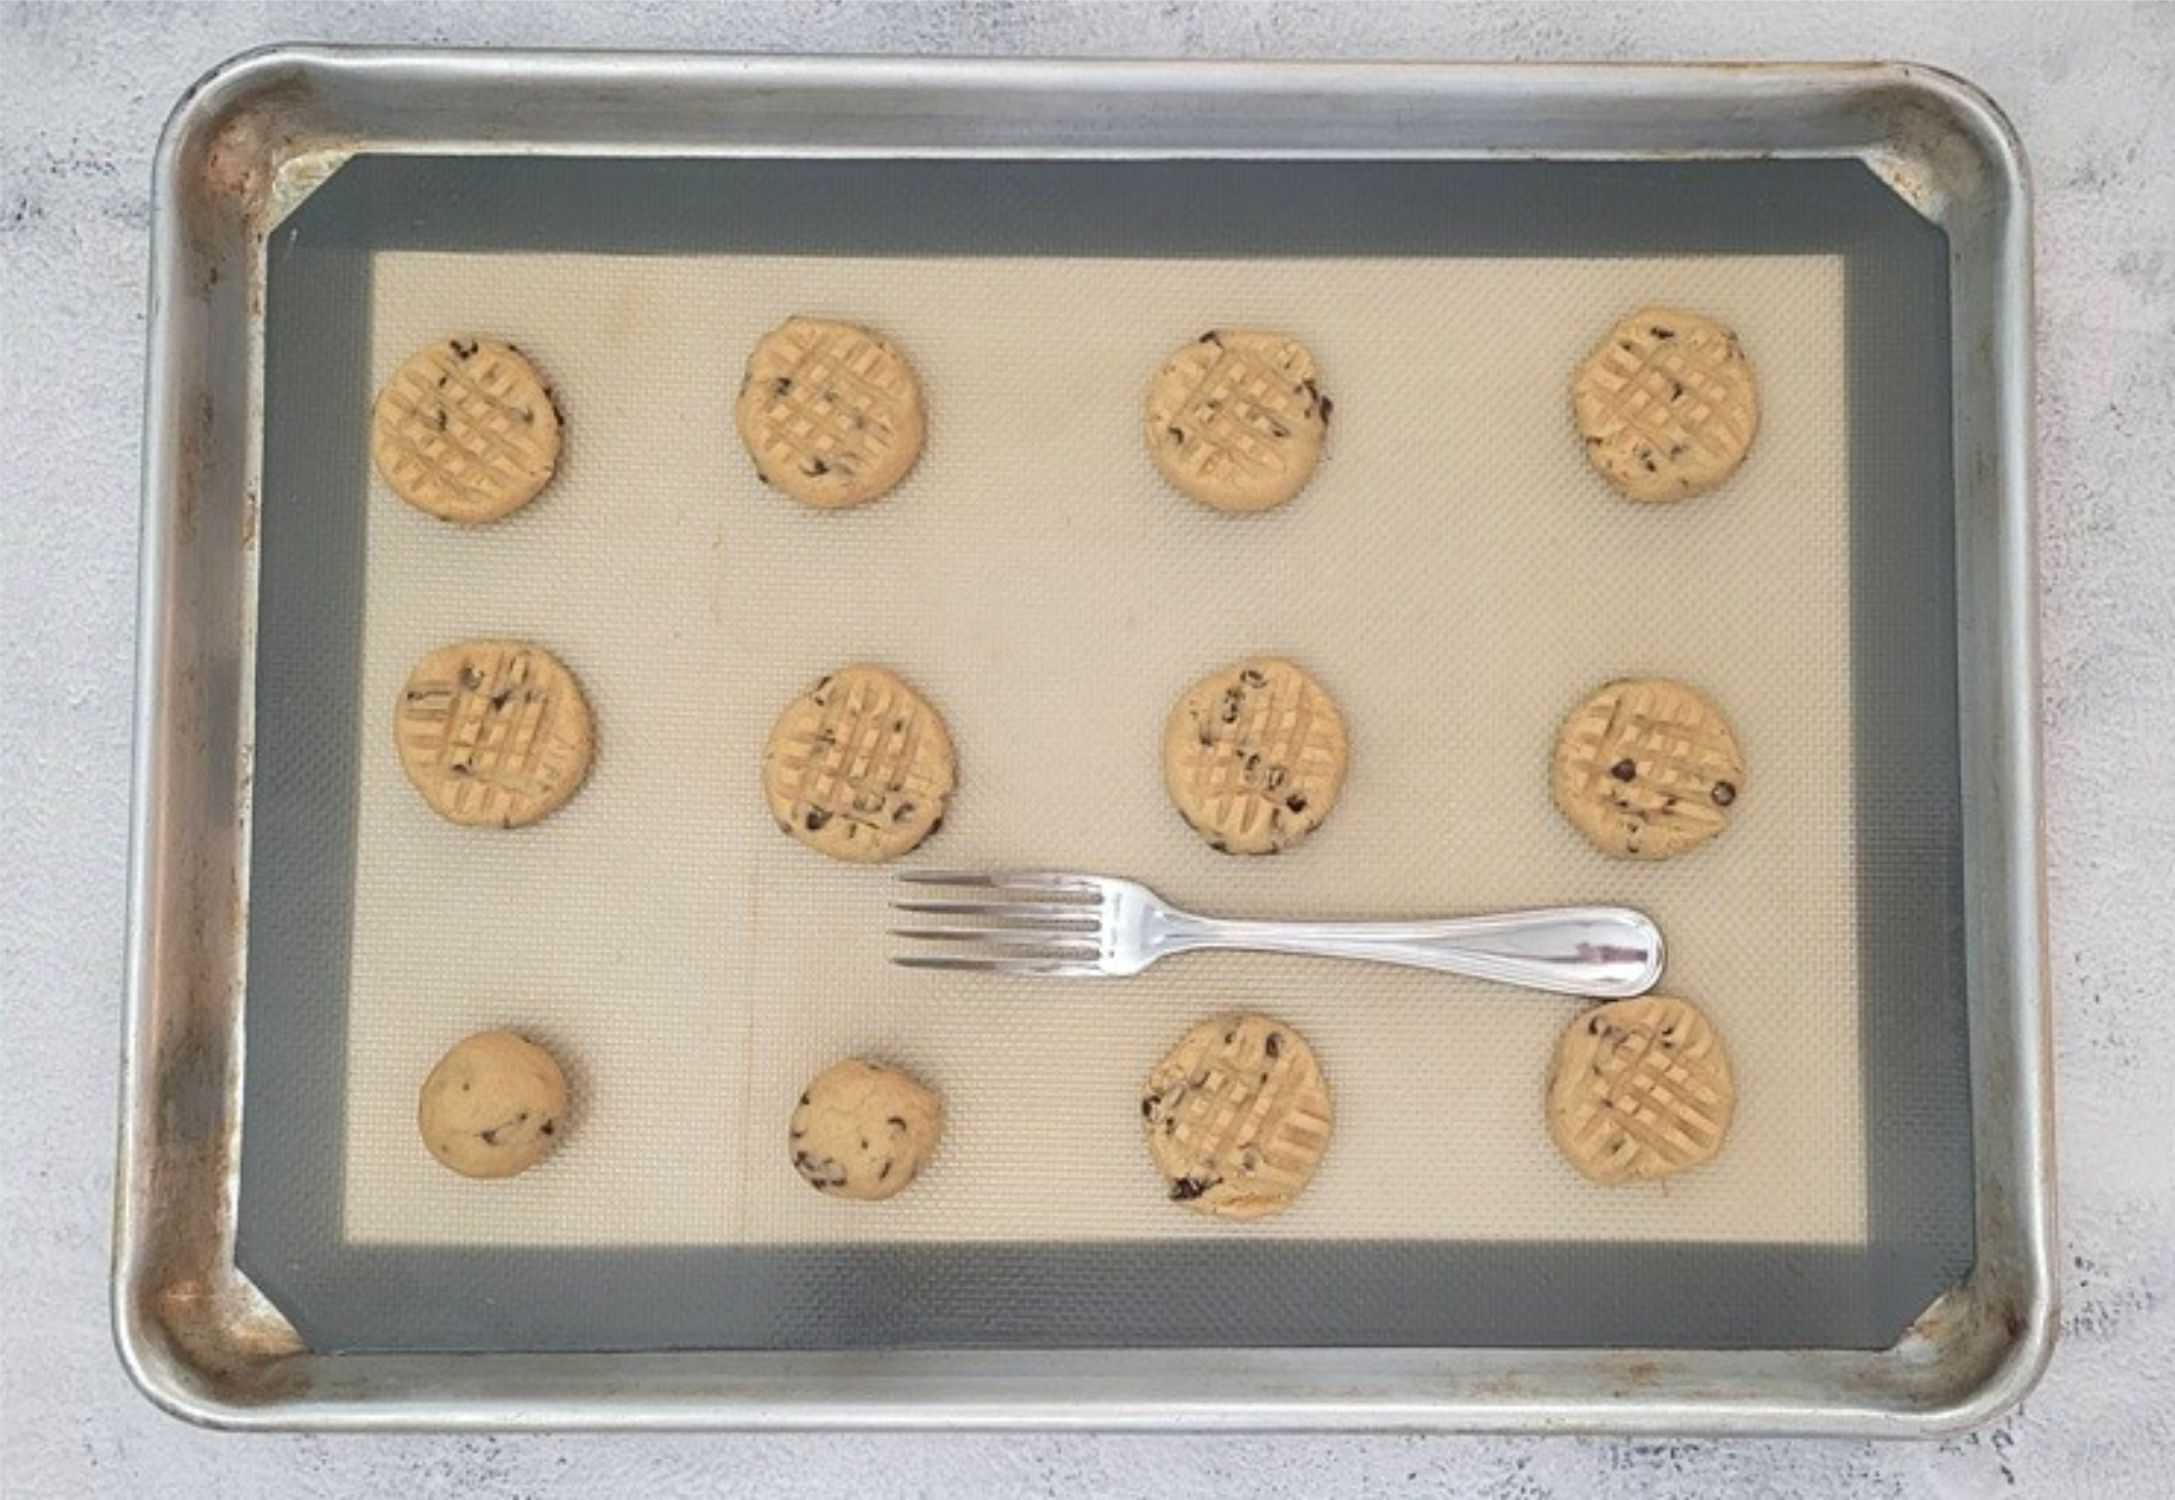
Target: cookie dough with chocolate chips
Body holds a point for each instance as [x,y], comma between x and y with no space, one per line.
[494,1106]
[1254,756]
[1640,1089]
[831,413]
[859,767]
[863,1131]
[466,430]
[1237,1117]
[1647,768]
[1666,404]
[1236,419]
[493,733]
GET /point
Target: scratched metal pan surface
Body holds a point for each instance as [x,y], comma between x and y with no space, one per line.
[234,1303]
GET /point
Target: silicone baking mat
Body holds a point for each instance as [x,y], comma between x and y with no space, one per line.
[1454,575]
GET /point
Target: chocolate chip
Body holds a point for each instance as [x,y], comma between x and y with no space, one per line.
[1660,332]
[1724,793]
[804,1098]
[1278,429]
[1178,434]
[471,678]
[1185,1189]
[1254,677]
[1219,846]
[1676,390]
[490,1137]
[817,817]
[498,699]
[1147,1108]
[1210,337]
[441,419]
[902,812]
[550,1127]
[1624,770]
[896,1122]
[886,1172]
[462,350]
[1274,1046]
[815,468]
[781,385]
[1297,802]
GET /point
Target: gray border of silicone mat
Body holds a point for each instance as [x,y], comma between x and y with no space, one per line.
[1230,1291]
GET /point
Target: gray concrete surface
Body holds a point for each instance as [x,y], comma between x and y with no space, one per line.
[82,92]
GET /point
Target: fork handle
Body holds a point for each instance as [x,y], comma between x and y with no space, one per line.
[1610,952]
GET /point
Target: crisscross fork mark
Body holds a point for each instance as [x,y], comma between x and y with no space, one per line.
[796,420]
[1681,755]
[1218,780]
[1224,1114]
[851,751]
[1646,398]
[506,750]
[1652,1079]
[484,446]
[1222,405]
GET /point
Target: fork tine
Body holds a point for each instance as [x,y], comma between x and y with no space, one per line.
[1009,939]
[1038,968]
[1082,918]
[1017,880]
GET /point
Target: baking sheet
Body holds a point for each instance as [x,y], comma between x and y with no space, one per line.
[1454,575]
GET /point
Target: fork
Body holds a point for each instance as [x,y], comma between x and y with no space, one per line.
[1069,926]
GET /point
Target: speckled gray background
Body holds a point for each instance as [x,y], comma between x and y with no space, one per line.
[82,91]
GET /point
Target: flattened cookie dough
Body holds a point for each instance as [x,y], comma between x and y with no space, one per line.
[494,1106]
[863,1131]
[1640,1089]
[831,413]
[1647,768]
[859,767]
[1667,404]
[494,733]
[1236,419]
[1254,756]
[1237,1117]
[467,430]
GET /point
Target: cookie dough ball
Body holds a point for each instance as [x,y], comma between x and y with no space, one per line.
[494,1106]
[494,733]
[1237,1117]
[466,430]
[859,767]
[863,1130]
[1640,1089]
[1236,419]
[831,413]
[1254,756]
[1647,768]
[1667,404]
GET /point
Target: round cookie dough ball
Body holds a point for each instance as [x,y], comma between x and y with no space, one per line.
[830,413]
[1640,1089]
[1237,1117]
[494,1105]
[1666,404]
[859,767]
[1647,768]
[494,734]
[466,430]
[1254,756]
[1236,419]
[863,1131]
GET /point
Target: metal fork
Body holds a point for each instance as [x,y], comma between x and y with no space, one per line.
[1068,926]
